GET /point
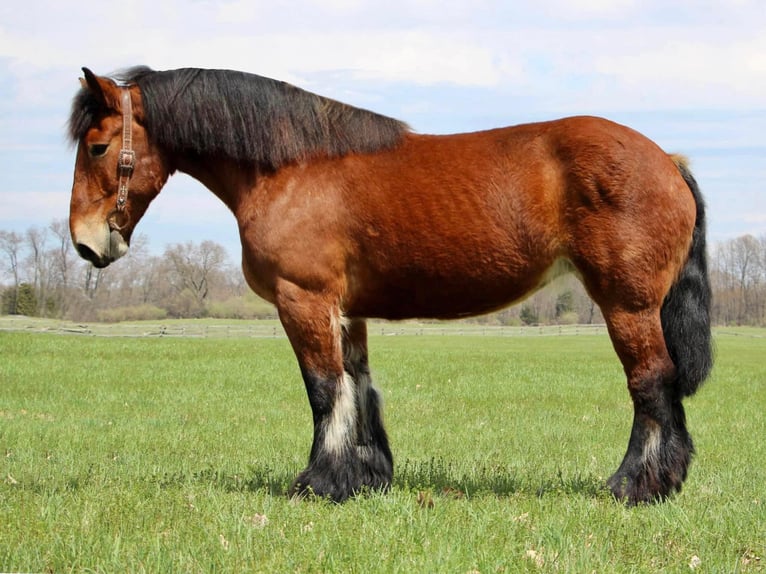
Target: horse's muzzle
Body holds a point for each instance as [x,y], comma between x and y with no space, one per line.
[100,245]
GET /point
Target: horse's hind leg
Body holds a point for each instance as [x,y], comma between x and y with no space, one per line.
[350,451]
[660,448]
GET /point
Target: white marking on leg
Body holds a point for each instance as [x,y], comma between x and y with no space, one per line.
[338,324]
[340,429]
[651,452]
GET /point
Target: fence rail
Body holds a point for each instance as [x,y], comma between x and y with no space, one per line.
[272,329]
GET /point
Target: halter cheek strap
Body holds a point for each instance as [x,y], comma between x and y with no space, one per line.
[126,161]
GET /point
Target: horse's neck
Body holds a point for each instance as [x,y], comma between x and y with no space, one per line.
[227,179]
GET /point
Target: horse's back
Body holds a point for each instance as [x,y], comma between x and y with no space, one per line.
[454,225]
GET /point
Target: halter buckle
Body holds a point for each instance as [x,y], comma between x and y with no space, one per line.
[126,161]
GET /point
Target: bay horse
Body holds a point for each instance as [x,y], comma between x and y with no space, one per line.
[345,214]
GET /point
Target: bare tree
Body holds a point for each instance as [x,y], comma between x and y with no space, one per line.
[189,277]
[192,271]
[745,260]
[63,263]
[37,240]
[10,244]
[62,250]
[738,278]
[140,274]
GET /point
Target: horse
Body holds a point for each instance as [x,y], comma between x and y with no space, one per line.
[346,215]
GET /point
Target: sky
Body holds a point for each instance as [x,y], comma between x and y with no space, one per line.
[691,75]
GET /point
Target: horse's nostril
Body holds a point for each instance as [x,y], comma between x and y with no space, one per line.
[87,253]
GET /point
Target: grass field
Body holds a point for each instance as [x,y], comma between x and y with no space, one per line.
[174,455]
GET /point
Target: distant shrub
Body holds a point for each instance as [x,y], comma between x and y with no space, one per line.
[568,318]
[245,307]
[507,319]
[133,313]
[185,305]
[19,301]
[528,315]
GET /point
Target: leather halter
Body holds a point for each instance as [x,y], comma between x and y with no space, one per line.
[126,161]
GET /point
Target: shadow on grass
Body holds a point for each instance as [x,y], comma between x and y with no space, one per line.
[434,475]
[254,479]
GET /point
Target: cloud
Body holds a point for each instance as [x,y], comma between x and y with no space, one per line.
[587,10]
[423,57]
[689,71]
[40,206]
[442,64]
[638,55]
[419,56]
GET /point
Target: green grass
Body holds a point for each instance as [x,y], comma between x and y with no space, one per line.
[174,455]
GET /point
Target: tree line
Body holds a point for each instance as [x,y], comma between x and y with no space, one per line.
[42,275]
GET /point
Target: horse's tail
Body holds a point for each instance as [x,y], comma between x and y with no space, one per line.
[685,312]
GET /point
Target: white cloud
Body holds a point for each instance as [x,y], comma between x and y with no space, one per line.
[617,48]
[41,206]
[422,57]
[693,71]
[585,10]
[549,56]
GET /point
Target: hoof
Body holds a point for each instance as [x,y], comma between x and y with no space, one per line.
[645,487]
[361,470]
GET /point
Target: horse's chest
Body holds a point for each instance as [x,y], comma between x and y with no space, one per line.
[257,273]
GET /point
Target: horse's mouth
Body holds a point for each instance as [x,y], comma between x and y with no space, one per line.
[99,244]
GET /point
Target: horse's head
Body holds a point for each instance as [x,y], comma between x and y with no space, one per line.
[118,170]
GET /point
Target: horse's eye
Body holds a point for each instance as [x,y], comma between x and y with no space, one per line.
[97,150]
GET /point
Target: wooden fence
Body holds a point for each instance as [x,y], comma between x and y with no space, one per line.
[272,329]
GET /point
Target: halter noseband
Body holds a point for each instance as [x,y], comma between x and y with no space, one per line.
[126,161]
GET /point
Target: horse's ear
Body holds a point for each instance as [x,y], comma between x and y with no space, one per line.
[105,90]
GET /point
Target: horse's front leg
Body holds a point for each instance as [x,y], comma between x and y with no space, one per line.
[350,452]
[375,460]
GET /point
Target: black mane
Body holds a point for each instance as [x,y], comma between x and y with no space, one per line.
[244,117]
